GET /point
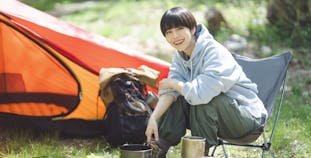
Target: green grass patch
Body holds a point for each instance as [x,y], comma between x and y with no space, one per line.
[292,138]
[25,143]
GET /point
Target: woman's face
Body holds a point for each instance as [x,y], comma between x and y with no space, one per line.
[181,38]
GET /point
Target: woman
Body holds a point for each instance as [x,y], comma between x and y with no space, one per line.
[206,90]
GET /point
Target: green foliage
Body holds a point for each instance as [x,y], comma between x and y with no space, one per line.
[222,34]
[46,5]
[272,35]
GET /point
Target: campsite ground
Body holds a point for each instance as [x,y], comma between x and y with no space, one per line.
[135,25]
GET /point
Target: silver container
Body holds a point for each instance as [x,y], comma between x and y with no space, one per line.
[193,147]
[135,151]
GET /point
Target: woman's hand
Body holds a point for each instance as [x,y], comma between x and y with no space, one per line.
[163,104]
[152,130]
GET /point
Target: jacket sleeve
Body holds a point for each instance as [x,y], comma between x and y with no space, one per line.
[218,74]
[175,72]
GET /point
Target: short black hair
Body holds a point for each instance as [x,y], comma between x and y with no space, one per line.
[175,17]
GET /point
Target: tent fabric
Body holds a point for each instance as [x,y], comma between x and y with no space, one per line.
[50,69]
[31,89]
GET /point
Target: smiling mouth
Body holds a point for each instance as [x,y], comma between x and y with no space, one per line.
[178,42]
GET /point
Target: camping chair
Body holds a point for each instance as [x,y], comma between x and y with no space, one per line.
[269,74]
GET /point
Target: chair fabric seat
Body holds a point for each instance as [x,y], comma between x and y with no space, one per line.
[248,138]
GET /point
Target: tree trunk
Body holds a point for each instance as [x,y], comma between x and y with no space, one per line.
[289,15]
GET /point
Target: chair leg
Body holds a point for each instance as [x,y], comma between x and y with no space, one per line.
[224,150]
[214,150]
[266,147]
[265,143]
[263,154]
[272,153]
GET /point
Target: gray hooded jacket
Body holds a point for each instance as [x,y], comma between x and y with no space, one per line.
[212,70]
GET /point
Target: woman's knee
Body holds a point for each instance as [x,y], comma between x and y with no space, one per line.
[173,136]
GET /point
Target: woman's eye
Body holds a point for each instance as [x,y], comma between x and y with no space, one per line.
[168,32]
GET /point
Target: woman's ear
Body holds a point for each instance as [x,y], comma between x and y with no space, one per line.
[193,30]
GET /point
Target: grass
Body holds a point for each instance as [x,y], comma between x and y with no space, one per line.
[135,24]
[21,143]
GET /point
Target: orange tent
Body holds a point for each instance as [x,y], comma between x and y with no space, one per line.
[49,70]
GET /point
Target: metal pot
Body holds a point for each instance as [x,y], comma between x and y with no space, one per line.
[135,151]
[193,147]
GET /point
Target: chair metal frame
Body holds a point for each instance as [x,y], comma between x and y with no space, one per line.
[266,145]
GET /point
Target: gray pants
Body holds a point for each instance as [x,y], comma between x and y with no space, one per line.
[221,117]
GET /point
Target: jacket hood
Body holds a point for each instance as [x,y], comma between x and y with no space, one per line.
[203,37]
